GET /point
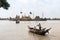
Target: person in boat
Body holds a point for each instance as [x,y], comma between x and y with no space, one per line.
[39,26]
[34,28]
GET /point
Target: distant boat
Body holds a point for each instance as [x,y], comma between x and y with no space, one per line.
[17,21]
[37,31]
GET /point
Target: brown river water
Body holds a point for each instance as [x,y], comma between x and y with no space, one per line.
[9,30]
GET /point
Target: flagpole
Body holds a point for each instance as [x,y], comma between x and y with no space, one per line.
[42,15]
[33,15]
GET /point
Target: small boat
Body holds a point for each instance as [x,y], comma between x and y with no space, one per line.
[37,31]
[17,21]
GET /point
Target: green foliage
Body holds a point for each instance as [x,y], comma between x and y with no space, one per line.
[4,4]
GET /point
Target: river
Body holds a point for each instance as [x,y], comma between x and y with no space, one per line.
[9,30]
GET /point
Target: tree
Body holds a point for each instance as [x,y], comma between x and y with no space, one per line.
[4,4]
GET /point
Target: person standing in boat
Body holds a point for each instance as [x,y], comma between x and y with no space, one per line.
[39,26]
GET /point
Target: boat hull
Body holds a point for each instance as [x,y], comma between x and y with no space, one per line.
[37,31]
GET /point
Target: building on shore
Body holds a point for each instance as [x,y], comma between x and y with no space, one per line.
[26,18]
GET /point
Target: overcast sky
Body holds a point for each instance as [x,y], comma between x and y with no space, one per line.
[50,8]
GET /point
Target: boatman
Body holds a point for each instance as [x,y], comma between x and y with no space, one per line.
[39,26]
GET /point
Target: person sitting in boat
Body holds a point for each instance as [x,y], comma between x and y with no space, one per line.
[39,26]
[34,28]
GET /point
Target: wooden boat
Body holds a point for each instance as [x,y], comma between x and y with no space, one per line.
[37,31]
